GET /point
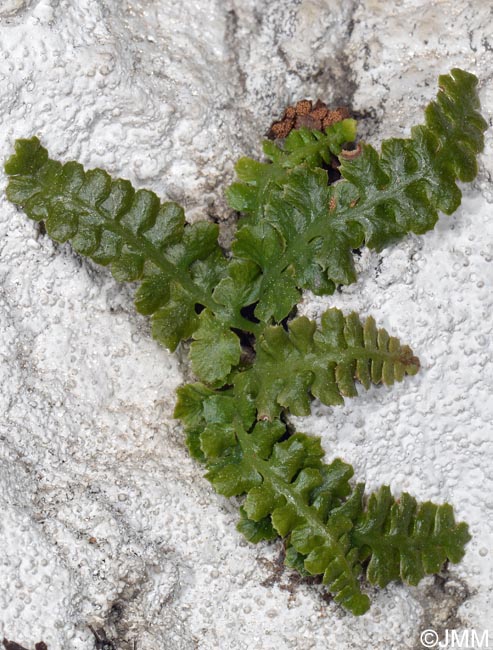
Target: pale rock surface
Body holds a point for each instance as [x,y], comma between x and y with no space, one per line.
[105,519]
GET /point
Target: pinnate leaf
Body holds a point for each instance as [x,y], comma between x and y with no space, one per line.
[131,231]
[328,527]
[303,232]
[294,365]
[403,189]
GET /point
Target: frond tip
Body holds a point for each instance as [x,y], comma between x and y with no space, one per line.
[405,540]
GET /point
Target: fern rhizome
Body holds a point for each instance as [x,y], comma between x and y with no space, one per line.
[256,362]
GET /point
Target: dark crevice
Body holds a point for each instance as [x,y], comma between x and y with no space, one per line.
[248,312]
[292,314]
[199,308]
[12,645]
[101,641]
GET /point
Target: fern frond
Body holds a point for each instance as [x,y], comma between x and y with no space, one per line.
[289,491]
[179,266]
[402,190]
[131,231]
[303,362]
[307,230]
[305,146]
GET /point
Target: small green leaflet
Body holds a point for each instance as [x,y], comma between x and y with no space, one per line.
[310,148]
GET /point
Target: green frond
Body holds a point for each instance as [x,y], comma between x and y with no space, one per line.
[303,231]
[328,526]
[297,233]
[179,266]
[403,189]
[292,366]
[140,238]
[303,146]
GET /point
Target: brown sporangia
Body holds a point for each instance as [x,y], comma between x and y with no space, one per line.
[313,116]
[12,645]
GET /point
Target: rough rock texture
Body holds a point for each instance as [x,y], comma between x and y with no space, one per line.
[105,519]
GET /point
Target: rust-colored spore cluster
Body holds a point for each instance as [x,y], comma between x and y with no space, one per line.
[304,113]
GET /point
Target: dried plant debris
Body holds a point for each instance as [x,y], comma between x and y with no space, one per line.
[317,116]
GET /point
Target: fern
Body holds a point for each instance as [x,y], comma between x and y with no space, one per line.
[291,492]
[178,265]
[256,361]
